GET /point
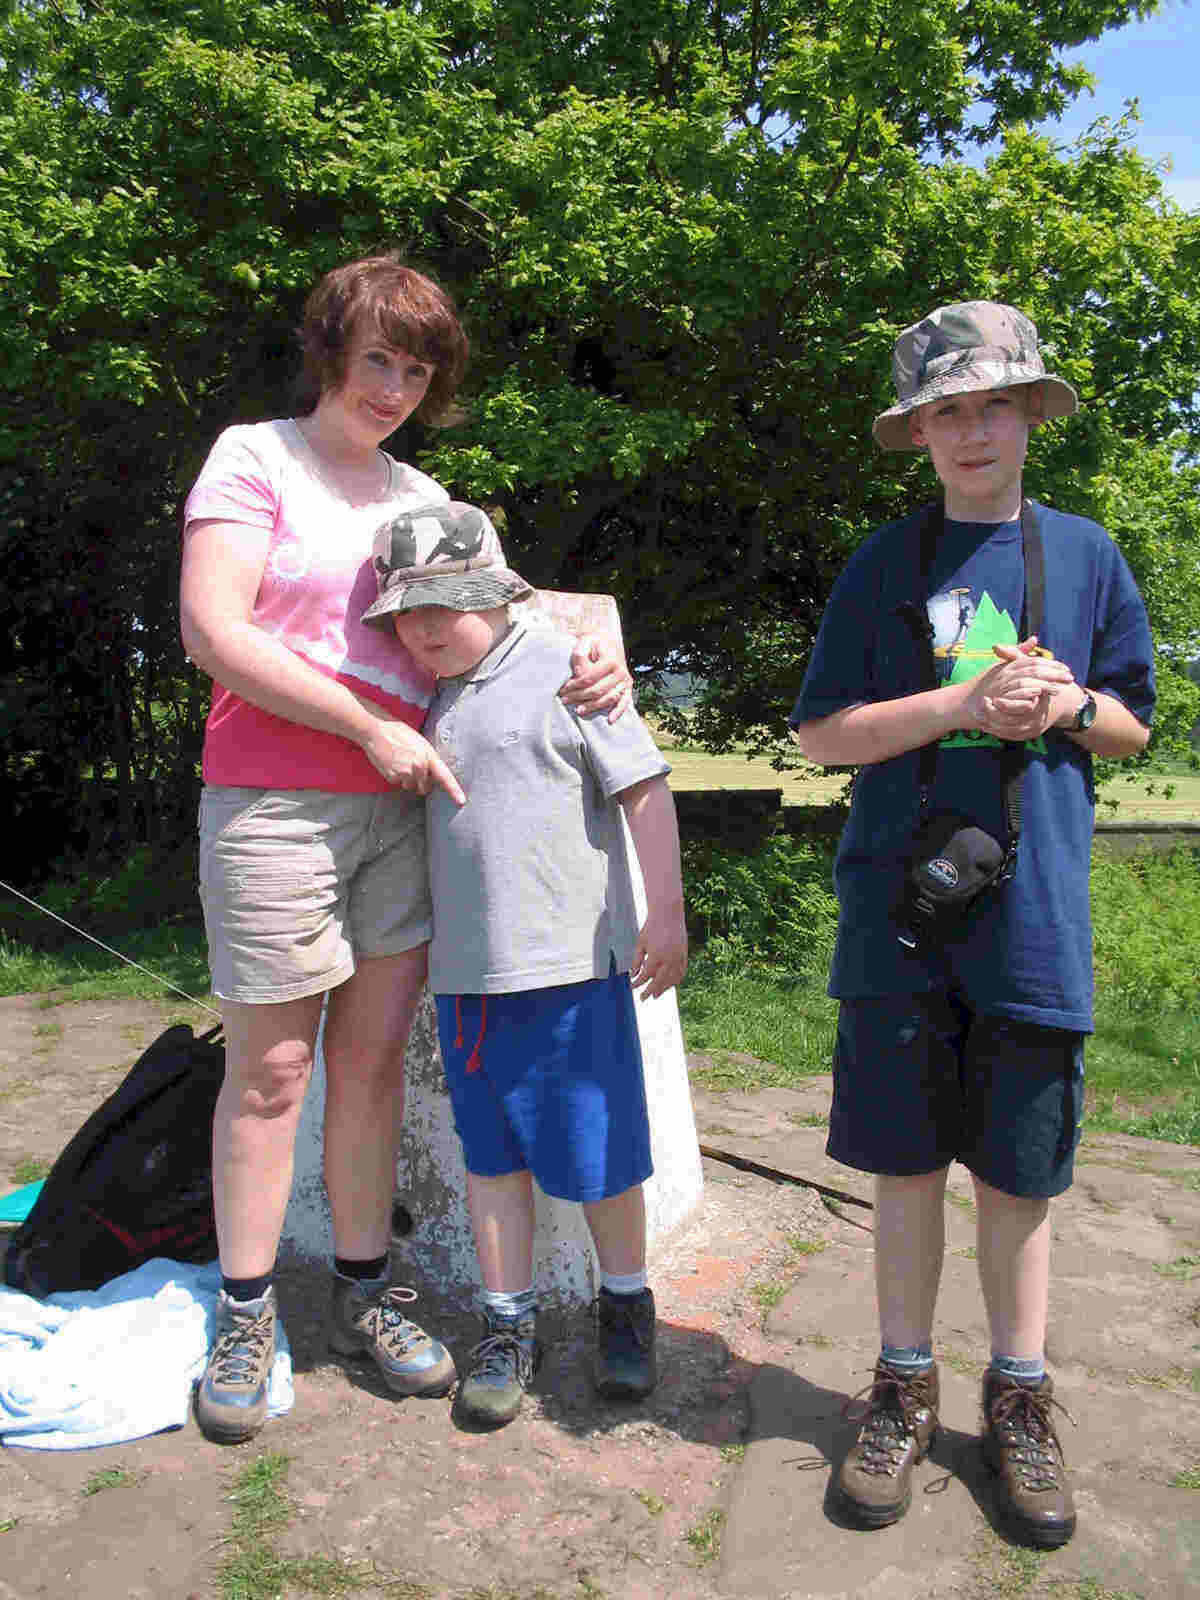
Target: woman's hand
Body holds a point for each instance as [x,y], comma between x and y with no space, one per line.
[406,758]
[600,679]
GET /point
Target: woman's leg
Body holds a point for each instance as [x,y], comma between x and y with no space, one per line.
[367,1026]
[268,1061]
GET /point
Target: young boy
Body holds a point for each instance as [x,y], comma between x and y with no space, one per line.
[534,994]
[969,1046]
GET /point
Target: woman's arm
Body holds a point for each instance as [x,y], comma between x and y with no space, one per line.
[222,570]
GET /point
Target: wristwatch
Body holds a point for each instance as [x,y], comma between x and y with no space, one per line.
[1086,714]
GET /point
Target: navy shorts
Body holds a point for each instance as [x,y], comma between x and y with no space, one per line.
[922,1080]
[550,1081]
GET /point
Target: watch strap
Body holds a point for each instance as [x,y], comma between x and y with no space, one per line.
[1086,714]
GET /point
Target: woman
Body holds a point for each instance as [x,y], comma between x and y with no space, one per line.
[312,843]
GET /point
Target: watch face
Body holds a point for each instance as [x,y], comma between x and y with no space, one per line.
[1086,714]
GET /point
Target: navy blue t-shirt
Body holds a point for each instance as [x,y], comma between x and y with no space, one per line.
[1028,951]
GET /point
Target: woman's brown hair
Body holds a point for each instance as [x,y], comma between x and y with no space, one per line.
[408,311]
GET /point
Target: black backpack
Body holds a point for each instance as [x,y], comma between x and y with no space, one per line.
[135,1181]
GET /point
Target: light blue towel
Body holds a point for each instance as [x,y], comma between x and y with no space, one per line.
[101,1366]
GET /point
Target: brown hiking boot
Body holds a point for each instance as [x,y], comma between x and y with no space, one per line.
[899,1421]
[1020,1445]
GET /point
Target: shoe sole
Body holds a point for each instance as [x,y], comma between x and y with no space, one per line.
[864,1516]
[431,1384]
[1041,1535]
[233,1433]
[1042,1538]
[486,1420]
[621,1391]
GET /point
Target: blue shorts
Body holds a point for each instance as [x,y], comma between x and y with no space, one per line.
[550,1081]
[922,1080]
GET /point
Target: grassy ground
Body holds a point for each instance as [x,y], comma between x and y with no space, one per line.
[754,1000]
[762,1028]
[83,971]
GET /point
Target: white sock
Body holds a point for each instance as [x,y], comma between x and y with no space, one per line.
[625,1283]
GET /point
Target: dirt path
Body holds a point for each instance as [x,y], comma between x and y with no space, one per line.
[716,1486]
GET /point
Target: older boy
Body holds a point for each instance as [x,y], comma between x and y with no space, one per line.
[966,1042]
[535,944]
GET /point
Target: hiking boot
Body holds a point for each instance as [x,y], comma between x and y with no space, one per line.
[502,1366]
[367,1321]
[231,1401]
[625,1364]
[1020,1445]
[899,1423]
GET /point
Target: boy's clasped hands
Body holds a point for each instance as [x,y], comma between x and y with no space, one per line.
[1021,696]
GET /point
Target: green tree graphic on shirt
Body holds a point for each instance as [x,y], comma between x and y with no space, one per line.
[973,655]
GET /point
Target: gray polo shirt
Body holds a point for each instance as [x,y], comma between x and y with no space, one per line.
[530,878]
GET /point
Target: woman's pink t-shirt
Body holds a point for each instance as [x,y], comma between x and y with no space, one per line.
[317,582]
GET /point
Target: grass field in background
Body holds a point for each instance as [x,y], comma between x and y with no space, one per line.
[1172,798]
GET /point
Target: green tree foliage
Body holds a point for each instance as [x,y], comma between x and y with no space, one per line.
[684,237]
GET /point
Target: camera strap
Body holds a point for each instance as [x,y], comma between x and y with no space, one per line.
[1013,756]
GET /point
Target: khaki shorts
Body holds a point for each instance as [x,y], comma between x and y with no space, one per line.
[297,883]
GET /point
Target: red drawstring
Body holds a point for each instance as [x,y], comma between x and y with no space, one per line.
[474,1060]
[458,1020]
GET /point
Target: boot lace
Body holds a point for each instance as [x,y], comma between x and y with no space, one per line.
[388,1324]
[889,1415]
[238,1353]
[502,1355]
[1022,1420]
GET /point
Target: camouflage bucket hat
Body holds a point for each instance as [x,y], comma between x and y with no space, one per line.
[978,344]
[447,555]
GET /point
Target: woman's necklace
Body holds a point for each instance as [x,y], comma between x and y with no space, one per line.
[357,485]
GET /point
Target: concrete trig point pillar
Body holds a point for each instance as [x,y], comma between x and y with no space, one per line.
[430,1177]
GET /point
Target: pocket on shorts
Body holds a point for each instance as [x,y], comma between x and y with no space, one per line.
[255,831]
[223,810]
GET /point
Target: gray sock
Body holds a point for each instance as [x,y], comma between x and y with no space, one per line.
[1026,1370]
[512,1307]
[908,1358]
